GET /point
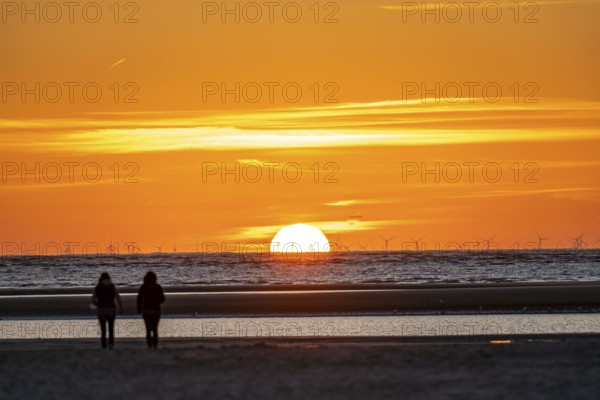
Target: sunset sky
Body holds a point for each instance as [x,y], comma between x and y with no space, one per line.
[363,128]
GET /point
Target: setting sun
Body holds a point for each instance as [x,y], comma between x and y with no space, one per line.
[299,238]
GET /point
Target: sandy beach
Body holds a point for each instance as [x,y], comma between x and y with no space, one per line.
[315,299]
[543,368]
[498,366]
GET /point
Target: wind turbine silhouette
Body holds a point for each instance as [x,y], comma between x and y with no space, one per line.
[67,249]
[132,247]
[416,242]
[574,242]
[541,240]
[387,241]
[159,248]
[582,242]
[478,242]
[488,242]
[338,243]
[111,249]
[578,241]
[364,246]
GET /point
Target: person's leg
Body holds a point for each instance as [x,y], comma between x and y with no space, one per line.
[102,331]
[155,321]
[111,331]
[148,323]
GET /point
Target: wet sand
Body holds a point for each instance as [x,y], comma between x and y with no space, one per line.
[542,368]
[316,299]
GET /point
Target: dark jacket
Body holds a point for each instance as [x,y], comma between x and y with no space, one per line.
[150,297]
[105,295]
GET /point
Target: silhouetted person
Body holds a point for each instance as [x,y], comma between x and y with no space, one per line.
[149,299]
[105,296]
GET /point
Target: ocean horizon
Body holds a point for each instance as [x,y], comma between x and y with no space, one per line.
[351,267]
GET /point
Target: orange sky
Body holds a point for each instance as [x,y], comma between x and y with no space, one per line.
[367,134]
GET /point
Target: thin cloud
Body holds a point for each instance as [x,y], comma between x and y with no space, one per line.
[328,227]
[392,123]
[341,203]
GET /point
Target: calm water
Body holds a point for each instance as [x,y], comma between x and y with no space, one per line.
[345,267]
[345,326]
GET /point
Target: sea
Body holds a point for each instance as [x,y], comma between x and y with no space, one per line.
[352,267]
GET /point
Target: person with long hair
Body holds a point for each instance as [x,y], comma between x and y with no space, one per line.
[149,299]
[106,298]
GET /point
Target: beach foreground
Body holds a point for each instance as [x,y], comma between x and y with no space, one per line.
[524,367]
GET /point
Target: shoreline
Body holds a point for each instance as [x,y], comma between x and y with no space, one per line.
[293,287]
[319,299]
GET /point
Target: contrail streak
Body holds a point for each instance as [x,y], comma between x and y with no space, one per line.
[117,63]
